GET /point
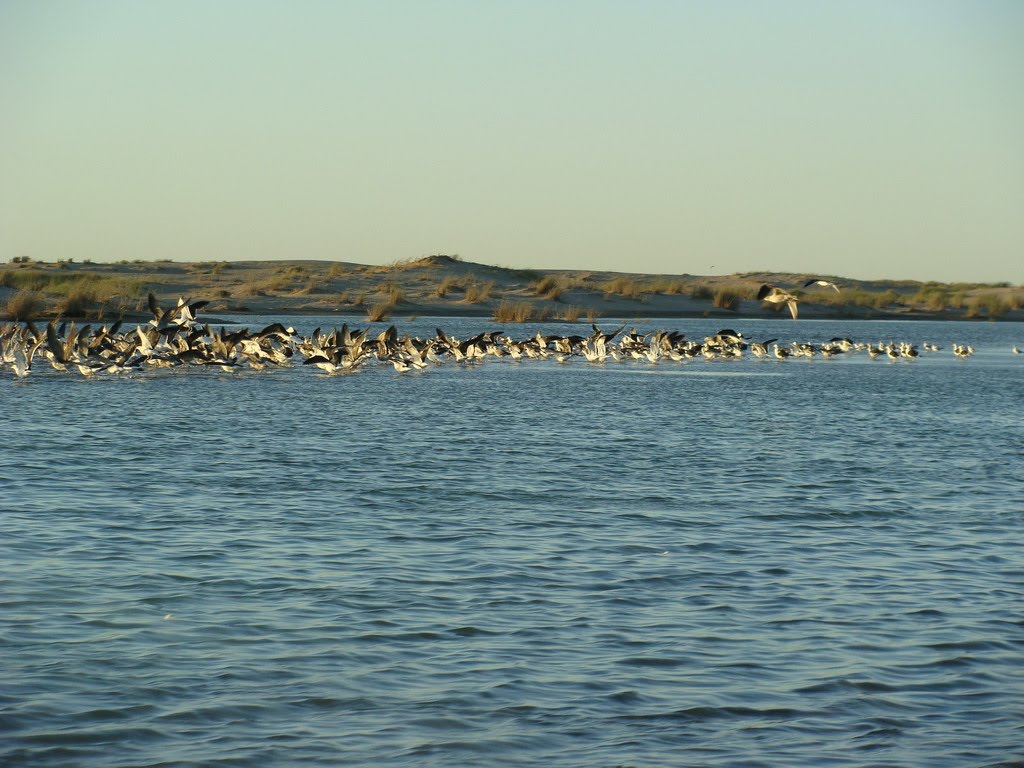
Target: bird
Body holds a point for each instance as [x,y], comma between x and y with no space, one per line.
[775,295]
[821,282]
[760,348]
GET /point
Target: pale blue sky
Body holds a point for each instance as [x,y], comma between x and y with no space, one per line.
[865,139]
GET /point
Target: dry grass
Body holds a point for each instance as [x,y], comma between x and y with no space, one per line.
[251,288]
[727,298]
[548,288]
[932,298]
[63,283]
[873,299]
[78,303]
[626,287]
[513,311]
[24,305]
[701,292]
[263,287]
[206,267]
[676,288]
[379,311]
[478,293]
[449,283]
[309,287]
[570,314]
[393,292]
[990,304]
[666,286]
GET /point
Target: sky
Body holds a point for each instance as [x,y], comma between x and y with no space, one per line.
[869,139]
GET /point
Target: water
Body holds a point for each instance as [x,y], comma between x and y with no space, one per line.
[749,563]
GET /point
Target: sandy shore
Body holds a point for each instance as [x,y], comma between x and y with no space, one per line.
[443,286]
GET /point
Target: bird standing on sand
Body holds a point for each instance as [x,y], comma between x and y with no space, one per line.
[775,295]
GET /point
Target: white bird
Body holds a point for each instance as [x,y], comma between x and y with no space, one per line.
[823,283]
[775,295]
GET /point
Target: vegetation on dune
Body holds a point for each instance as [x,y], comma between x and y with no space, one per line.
[934,298]
[264,287]
[727,298]
[308,288]
[63,283]
[855,297]
[392,291]
[702,292]
[78,289]
[626,287]
[379,311]
[989,304]
[207,267]
[478,293]
[448,283]
[547,287]
[77,303]
[24,306]
[674,288]
[513,311]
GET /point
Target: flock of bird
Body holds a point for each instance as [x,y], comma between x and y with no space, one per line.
[175,338]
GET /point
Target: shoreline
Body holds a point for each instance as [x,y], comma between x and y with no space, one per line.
[445,286]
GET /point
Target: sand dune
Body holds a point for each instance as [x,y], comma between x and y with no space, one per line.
[447,286]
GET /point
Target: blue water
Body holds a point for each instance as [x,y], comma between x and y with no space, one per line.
[724,563]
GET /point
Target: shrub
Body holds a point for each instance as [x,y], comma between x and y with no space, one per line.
[992,305]
[449,283]
[702,292]
[676,288]
[478,293]
[24,306]
[513,311]
[78,303]
[935,299]
[310,286]
[64,283]
[395,295]
[727,298]
[571,314]
[379,311]
[623,286]
[548,288]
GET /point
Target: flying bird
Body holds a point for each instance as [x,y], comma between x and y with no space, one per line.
[775,295]
[822,283]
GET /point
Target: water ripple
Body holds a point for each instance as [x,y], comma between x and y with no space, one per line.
[531,566]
